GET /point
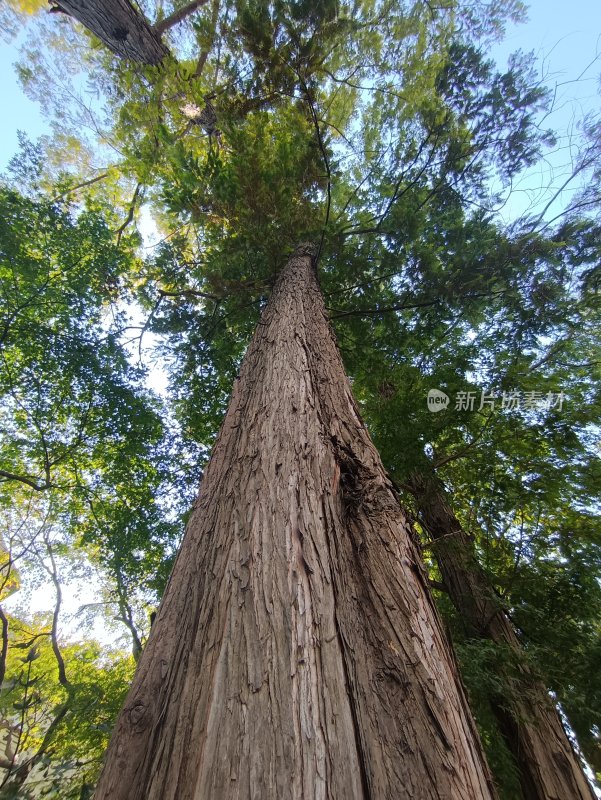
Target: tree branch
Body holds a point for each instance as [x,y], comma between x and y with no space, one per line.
[79,186]
[462,451]
[192,293]
[130,214]
[200,64]
[11,476]
[4,651]
[178,16]
[374,311]
[22,772]
[62,674]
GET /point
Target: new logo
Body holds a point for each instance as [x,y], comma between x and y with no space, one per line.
[437,400]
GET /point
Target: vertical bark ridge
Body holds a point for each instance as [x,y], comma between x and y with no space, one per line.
[361,749]
[297,652]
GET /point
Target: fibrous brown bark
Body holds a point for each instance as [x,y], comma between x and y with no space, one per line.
[548,766]
[297,652]
[120,26]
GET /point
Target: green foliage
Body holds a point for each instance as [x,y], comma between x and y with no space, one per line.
[485,667]
[61,375]
[77,423]
[65,730]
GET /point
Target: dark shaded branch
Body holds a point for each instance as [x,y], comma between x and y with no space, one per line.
[4,650]
[147,325]
[127,619]
[11,476]
[12,316]
[462,451]
[397,193]
[126,615]
[365,231]
[401,306]
[362,312]
[22,772]
[326,162]
[192,293]
[130,214]
[124,607]
[62,674]
[200,64]
[11,753]
[347,82]
[584,165]
[162,295]
[553,350]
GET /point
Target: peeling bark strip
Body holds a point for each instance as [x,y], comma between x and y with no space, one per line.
[548,766]
[123,29]
[297,653]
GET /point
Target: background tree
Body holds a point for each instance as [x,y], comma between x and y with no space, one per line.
[58,699]
[82,445]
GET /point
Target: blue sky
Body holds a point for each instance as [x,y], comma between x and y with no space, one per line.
[565,36]
[20,113]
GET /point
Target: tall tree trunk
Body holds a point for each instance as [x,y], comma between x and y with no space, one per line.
[297,652]
[121,27]
[549,767]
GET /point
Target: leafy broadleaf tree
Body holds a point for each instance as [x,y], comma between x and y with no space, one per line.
[77,425]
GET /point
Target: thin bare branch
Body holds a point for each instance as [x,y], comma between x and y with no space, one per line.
[79,186]
[177,16]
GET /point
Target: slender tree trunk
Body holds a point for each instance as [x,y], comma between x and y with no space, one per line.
[120,26]
[549,767]
[297,652]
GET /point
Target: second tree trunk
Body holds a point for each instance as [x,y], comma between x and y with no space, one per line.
[548,766]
